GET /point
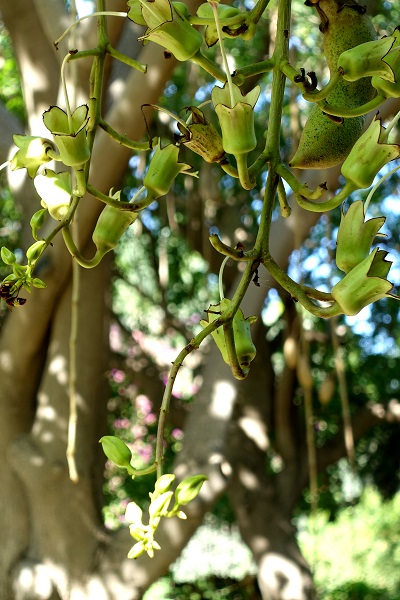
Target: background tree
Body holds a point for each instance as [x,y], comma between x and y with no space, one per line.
[55,544]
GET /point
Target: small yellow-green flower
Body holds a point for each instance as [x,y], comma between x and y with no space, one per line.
[366,60]
[390,88]
[69,134]
[55,191]
[364,284]
[32,153]
[369,154]
[163,169]
[355,236]
[167,26]
[236,117]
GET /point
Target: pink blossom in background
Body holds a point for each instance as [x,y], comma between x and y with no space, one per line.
[145,452]
[117,375]
[150,419]
[177,434]
[138,431]
[144,404]
[122,423]
[115,337]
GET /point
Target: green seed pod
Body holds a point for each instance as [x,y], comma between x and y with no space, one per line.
[325,143]
[189,488]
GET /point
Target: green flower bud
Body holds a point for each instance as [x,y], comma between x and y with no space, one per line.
[19,271]
[7,256]
[133,513]
[355,236]
[69,134]
[236,117]
[137,550]
[116,450]
[32,153]
[55,191]
[138,532]
[163,169]
[244,347]
[34,252]
[167,26]
[163,484]
[37,220]
[38,283]
[202,137]
[364,284]
[366,60]
[159,506]
[189,489]
[368,155]
[111,225]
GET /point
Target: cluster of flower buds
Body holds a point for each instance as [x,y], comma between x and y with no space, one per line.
[160,506]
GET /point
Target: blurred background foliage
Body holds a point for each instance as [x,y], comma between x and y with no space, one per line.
[165,276]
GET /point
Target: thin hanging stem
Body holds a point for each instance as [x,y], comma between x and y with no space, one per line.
[340,369]
[223,54]
[220,276]
[95,14]
[73,334]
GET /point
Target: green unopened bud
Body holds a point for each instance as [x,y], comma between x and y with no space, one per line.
[236,117]
[364,284]
[37,221]
[366,60]
[7,256]
[163,169]
[202,137]
[34,252]
[19,270]
[355,236]
[137,550]
[116,450]
[167,26]
[69,134]
[32,153]
[138,532]
[369,154]
[55,191]
[111,225]
[38,283]
[189,489]
[163,484]
[133,513]
[159,507]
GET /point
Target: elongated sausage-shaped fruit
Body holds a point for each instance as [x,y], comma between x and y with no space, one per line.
[325,143]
